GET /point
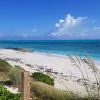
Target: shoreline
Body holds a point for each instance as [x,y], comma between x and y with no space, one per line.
[29,50]
[97,60]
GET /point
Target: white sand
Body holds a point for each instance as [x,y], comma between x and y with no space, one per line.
[67,74]
[11,89]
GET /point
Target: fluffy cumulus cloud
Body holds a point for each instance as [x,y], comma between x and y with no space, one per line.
[80,27]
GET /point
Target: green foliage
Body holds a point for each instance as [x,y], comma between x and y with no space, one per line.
[4,66]
[7,95]
[43,78]
[15,76]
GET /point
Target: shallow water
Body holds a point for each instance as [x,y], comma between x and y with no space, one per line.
[62,47]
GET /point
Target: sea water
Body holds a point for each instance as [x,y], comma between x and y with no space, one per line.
[59,47]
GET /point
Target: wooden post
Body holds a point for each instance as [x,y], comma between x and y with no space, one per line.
[25,78]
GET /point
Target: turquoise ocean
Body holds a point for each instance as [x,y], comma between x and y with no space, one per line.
[58,47]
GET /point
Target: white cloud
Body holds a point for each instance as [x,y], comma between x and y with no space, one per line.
[75,27]
[57,25]
[61,21]
[30,34]
[93,21]
[34,30]
[24,35]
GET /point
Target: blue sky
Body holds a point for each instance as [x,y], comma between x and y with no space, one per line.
[49,19]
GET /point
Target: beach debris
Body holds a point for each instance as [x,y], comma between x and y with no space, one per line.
[48,70]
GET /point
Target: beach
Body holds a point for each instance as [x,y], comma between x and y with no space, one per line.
[66,76]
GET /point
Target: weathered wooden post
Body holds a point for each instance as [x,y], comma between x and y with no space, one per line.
[25,85]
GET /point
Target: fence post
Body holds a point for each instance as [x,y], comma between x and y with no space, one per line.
[25,85]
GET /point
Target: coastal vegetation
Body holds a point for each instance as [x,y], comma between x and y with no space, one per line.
[15,76]
[7,78]
[43,91]
[9,74]
[7,95]
[92,88]
[43,78]
[4,66]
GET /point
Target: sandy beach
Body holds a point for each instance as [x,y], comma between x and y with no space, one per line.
[67,76]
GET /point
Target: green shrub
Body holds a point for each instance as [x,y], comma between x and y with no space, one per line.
[4,66]
[7,95]
[43,78]
[15,76]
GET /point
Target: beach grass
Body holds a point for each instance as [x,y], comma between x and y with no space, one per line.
[5,67]
[79,63]
[42,91]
